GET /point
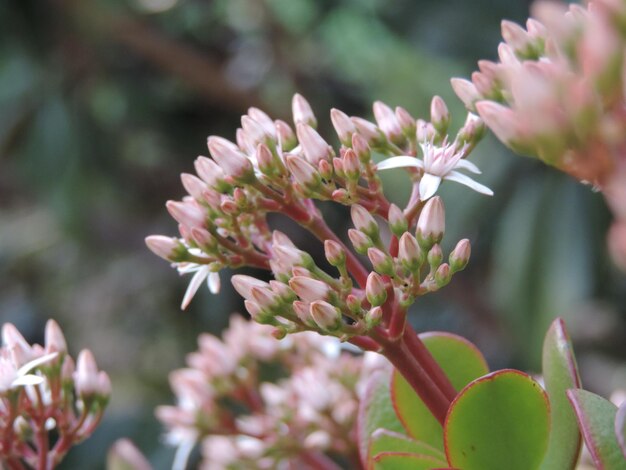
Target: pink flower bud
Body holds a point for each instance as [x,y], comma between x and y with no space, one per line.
[432,223]
[286,136]
[165,247]
[255,311]
[266,299]
[381,261]
[501,120]
[335,253]
[351,165]
[302,311]
[309,289]
[279,238]
[460,255]
[406,121]
[302,112]
[472,131]
[439,114]
[233,162]
[466,91]
[369,131]
[364,221]
[325,169]
[193,185]
[397,221]
[314,147]
[54,339]
[424,131]
[265,159]
[362,148]
[353,303]
[203,238]
[435,256]
[373,317]
[387,121]
[187,213]
[264,120]
[124,454]
[303,172]
[360,241]
[442,275]
[516,37]
[483,83]
[291,256]
[209,171]
[409,252]
[88,381]
[254,132]
[375,289]
[283,291]
[13,341]
[326,316]
[343,126]
[243,285]
[507,56]
[244,142]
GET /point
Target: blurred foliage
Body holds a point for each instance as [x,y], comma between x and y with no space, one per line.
[103,103]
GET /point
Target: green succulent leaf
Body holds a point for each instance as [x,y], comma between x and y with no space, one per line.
[385,441]
[596,419]
[501,420]
[620,427]
[375,412]
[405,461]
[461,361]
[560,373]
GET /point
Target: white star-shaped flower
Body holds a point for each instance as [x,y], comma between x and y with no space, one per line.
[439,163]
[202,272]
[12,376]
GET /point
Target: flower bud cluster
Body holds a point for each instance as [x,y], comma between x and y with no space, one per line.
[232,403]
[557,91]
[274,168]
[48,403]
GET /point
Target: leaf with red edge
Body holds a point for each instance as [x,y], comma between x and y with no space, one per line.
[596,419]
[375,411]
[384,441]
[560,373]
[405,461]
[460,360]
[499,421]
[620,427]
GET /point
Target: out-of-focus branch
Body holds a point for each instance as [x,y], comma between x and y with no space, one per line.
[196,69]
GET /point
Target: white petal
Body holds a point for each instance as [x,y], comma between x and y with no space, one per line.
[469,182]
[28,379]
[467,165]
[194,285]
[22,371]
[400,162]
[213,281]
[429,185]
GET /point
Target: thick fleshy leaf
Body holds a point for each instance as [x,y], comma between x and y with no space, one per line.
[375,411]
[596,419]
[405,461]
[386,441]
[461,361]
[560,373]
[499,421]
[620,427]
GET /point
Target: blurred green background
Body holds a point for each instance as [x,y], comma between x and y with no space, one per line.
[104,102]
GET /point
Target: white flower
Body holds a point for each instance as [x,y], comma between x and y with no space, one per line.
[439,163]
[202,272]
[12,377]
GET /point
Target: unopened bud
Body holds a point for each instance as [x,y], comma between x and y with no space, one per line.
[302,311]
[314,147]
[255,134]
[309,289]
[90,382]
[264,120]
[373,317]
[265,160]
[233,162]
[425,131]
[432,223]
[304,173]
[54,339]
[343,126]
[257,313]
[466,91]
[375,289]
[381,261]
[409,252]
[266,299]
[327,317]
[353,303]
[460,255]
[210,172]
[397,221]
[351,165]
[362,148]
[369,131]
[435,256]
[123,455]
[473,130]
[406,121]
[193,185]
[326,169]
[203,239]
[439,115]
[292,256]
[516,37]
[168,248]
[302,112]
[387,121]
[188,213]
[335,253]
[286,136]
[360,241]
[243,285]
[443,275]
[364,221]
[283,291]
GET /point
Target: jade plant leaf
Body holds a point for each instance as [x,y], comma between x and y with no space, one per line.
[596,419]
[560,373]
[385,441]
[405,461]
[375,411]
[461,361]
[620,427]
[501,420]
